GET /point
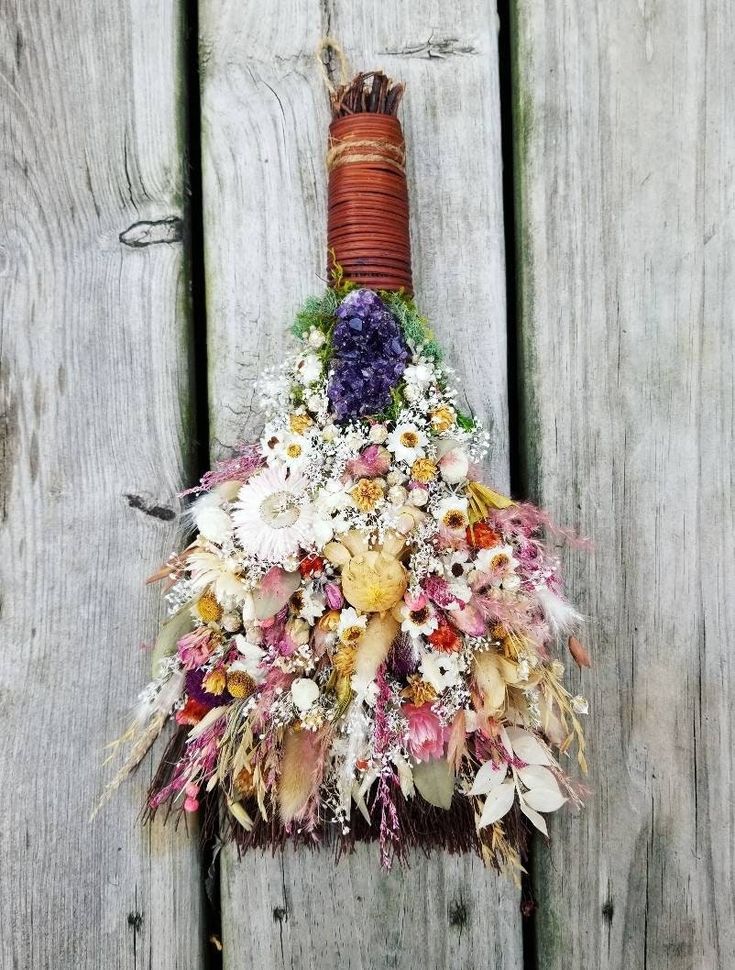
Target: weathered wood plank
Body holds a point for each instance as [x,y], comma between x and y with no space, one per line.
[95,399]
[264,128]
[624,164]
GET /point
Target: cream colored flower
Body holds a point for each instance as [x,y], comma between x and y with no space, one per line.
[273,517]
[374,582]
[214,524]
[304,693]
[377,434]
[423,470]
[222,573]
[367,494]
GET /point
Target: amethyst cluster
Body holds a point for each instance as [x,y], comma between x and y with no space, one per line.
[370,356]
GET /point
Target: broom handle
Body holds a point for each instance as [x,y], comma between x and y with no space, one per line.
[367,195]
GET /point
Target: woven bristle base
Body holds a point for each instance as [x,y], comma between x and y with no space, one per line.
[424,829]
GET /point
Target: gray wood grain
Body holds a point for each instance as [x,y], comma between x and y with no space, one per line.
[94,421]
[264,119]
[625,147]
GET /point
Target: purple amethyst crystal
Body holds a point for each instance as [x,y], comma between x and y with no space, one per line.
[370,356]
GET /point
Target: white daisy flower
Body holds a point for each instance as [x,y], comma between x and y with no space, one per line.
[418,618]
[441,670]
[293,450]
[273,516]
[351,625]
[271,440]
[407,442]
[452,514]
[457,566]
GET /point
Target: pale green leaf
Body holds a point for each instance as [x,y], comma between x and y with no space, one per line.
[434,780]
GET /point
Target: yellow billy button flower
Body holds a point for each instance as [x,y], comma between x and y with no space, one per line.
[240,684]
[442,419]
[298,423]
[423,470]
[367,494]
[207,608]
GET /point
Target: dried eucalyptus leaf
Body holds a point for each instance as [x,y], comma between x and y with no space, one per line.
[169,635]
[434,780]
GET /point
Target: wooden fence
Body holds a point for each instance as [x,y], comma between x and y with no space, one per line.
[141,297]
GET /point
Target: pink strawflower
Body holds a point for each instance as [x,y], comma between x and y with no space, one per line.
[372,462]
[195,647]
[426,736]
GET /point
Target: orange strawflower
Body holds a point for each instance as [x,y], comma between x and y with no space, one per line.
[444,638]
[481,536]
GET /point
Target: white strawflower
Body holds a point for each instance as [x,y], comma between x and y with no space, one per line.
[273,516]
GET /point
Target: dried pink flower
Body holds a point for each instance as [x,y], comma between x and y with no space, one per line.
[195,647]
[426,736]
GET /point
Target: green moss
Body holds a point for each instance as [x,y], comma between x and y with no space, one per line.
[415,326]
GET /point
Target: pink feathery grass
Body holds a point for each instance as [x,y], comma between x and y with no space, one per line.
[524,519]
[246,460]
